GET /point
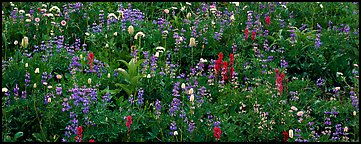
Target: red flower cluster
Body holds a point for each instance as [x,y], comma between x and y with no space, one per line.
[268,20]
[217,67]
[217,132]
[253,35]
[91,140]
[279,81]
[79,137]
[129,122]
[285,136]
[246,33]
[222,66]
[90,60]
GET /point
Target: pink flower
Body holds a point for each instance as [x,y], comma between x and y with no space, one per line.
[63,22]
[37,19]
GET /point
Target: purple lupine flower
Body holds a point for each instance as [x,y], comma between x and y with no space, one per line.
[354,99]
[131,99]
[140,96]
[16,90]
[59,90]
[66,105]
[336,91]
[320,82]
[106,97]
[158,108]
[265,45]
[191,126]
[115,73]
[46,98]
[282,23]
[174,106]
[173,127]
[319,28]
[284,64]
[7,94]
[153,63]
[27,79]
[217,124]
[293,36]
[93,94]
[210,117]
[23,94]
[303,27]
[176,89]
[182,114]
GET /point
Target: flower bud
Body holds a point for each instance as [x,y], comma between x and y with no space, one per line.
[108,75]
[26,65]
[131,30]
[183,85]
[49,100]
[58,76]
[50,87]
[191,99]
[37,70]
[189,15]
[190,91]
[89,81]
[16,42]
[354,113]
[4,89]
[290,133]
[232,18]
[166,11]
[115,33]
[25,42]
[34,85]
[192,42]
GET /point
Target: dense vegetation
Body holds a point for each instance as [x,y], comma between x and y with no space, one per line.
[156,71]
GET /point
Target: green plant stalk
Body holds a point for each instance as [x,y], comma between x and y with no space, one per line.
[161,131]
[165,47]
[192,57]
[37,116]
[139,42]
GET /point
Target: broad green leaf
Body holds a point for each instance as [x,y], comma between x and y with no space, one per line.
[18,134]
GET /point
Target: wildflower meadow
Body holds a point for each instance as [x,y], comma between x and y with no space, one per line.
[180,71]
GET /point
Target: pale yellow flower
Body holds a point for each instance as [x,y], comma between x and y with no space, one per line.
[131,30]
[192,42]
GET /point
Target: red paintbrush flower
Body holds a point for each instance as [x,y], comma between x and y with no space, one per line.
[90,60]
[253,35]
[217,132]
[129,122]
[231,59]
[217,67]
[282,75]
[285,136]
[80,130]
[268,20]
[246,33]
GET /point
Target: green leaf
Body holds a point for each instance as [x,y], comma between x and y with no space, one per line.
[124,87]
[18,134]
[37,136]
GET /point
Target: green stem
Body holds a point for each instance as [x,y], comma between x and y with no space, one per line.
[37,116]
